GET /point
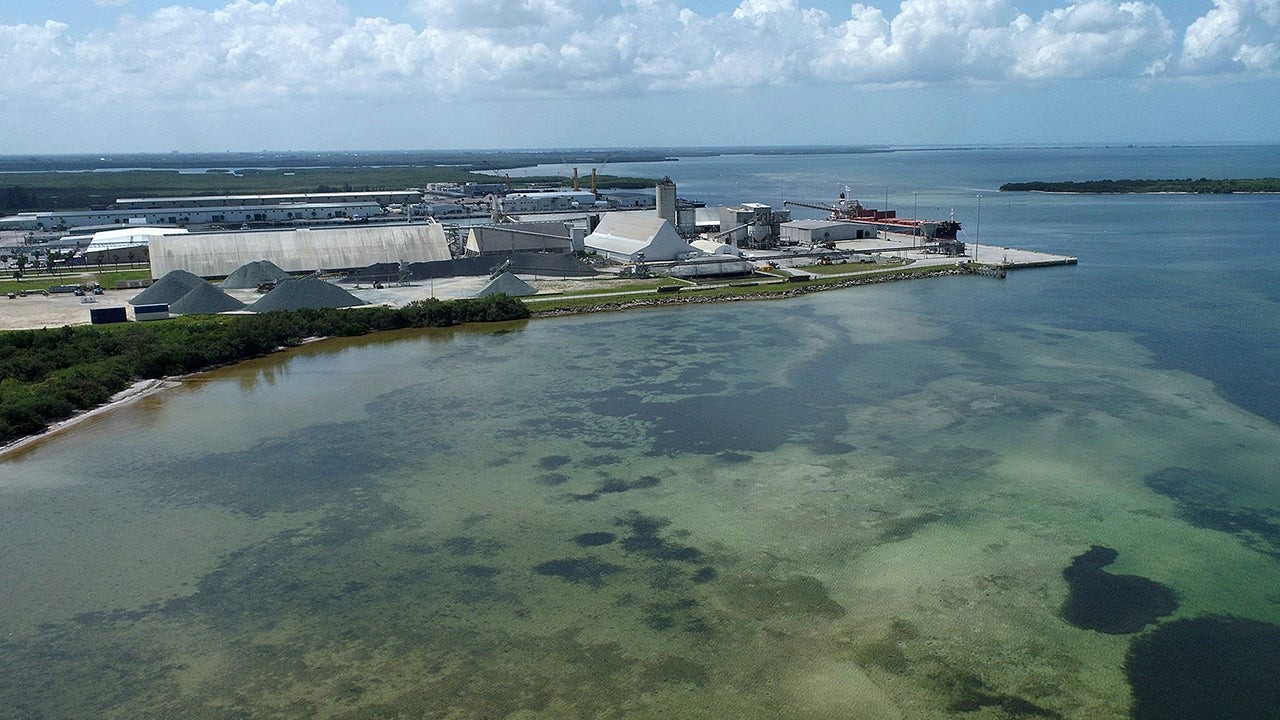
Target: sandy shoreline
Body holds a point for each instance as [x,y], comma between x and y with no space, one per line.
[134,392]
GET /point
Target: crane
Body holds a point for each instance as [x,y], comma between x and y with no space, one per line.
[813,206]
[840,211]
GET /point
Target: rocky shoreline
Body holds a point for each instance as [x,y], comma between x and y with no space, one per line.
[677,299]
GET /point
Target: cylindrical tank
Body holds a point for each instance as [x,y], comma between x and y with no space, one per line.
[666,191]
[686,219]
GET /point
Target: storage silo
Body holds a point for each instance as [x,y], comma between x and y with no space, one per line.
[666,191]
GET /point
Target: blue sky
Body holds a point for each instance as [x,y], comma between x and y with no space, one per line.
[212,75]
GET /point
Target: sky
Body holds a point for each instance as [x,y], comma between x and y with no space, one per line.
[241,75]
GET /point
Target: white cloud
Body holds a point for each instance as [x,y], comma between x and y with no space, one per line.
[1095,38]
[33,56]
[249,52]
[1236,35]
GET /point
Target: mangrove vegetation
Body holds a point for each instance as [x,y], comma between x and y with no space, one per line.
[49,375]
[1203,186]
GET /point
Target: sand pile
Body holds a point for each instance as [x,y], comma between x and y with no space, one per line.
[507,284]
[169,288]
[305,293]
[247,277]
[205,299]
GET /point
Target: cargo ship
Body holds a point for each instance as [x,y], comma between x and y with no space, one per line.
[885,220]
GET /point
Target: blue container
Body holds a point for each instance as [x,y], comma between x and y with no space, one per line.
[104,315]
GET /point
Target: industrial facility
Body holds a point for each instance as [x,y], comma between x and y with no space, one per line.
[374,237]
[632,237]
[218,254]
[520,237]
[233,214]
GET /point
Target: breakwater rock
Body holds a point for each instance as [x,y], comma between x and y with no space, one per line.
[690,299]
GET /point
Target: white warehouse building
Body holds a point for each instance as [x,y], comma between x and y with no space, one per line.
[236,214]
[629,237]
[298,250]
[525,202]
[817,232]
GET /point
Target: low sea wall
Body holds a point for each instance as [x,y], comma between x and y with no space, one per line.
[695,299]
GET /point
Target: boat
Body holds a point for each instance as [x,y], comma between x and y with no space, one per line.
[847,210]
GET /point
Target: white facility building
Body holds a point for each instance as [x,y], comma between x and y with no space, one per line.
[123,245]
[298,250]
[188,215]
[817,232]
[535,202]
[553,237]
[711,247]
[628,237]
[751,224]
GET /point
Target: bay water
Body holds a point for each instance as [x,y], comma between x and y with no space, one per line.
[855,504]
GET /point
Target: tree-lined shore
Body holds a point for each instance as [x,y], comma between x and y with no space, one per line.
[49,375]
[27,191]
[1203,186]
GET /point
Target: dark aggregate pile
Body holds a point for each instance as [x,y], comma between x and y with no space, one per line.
[168,289]
[247,277]
[507,284]
[205,299]
[305,293]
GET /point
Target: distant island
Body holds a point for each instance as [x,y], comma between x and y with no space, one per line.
[1203,186]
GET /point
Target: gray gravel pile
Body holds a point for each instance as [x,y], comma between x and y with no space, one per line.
[169,289]
[247,277]
[507,284]
[305,293]
[205,299]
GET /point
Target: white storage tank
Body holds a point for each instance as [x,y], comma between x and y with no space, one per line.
[666,197]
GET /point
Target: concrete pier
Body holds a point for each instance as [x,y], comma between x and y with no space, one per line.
[907,247]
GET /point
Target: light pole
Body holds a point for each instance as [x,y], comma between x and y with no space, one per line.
[977,232]
[915,213]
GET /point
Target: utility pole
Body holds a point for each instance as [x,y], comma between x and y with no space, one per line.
[977,233]
[915,214]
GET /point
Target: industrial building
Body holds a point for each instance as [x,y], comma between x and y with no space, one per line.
[190,215]
[710,266]
[555,237]
[218,254]
[632,237]
[441,211]
[817,232]
[711,247]
[382,197]
[123,245]
[534,202]
[751,225]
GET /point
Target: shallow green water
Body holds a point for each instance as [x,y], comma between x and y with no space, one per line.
[832,507]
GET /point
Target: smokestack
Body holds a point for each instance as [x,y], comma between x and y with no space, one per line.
[575,180]
[593,183]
